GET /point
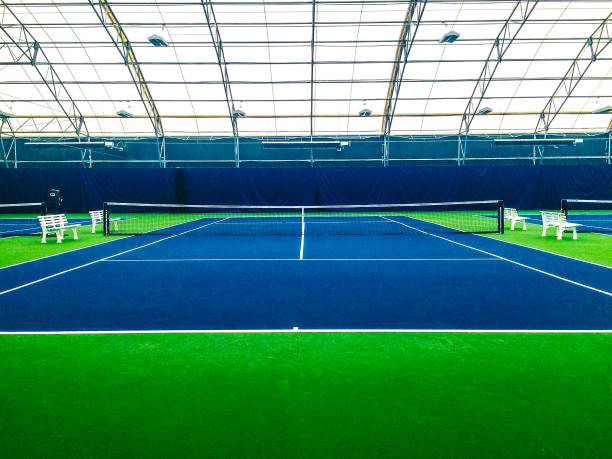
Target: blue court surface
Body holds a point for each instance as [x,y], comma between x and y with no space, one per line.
[417,280]
[596,223]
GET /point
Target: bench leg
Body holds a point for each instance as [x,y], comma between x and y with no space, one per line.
[512,225]
[524,226]
[44,237]
[544,228]
[116,226]
[575,237]
[74,233]
[93,226]
[560,233]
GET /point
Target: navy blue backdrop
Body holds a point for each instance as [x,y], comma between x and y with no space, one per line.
[525,187]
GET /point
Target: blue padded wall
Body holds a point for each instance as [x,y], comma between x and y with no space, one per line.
[525,187]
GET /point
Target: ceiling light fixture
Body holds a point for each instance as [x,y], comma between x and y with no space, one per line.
[450,37]
[484,111]
[157,40]
[600,110]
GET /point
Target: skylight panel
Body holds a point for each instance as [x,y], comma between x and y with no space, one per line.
[257,126]
[411,106]
[518,123]
[361,125]
[293,126]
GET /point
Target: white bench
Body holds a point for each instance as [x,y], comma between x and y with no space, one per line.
[512,215]
[97,216]
[559,221]
[58,224]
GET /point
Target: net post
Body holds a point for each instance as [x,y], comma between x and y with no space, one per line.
[500,217]
[43,208]
[105,219]
[564,206]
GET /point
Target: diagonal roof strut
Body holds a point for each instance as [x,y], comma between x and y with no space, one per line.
[103,10]
[215,36]
[592,48]
[513,25]
[414,13]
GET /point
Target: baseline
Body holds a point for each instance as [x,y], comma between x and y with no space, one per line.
[302,330]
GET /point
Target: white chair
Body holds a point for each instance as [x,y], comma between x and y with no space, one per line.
[97,216]
[58,224]
[512,215]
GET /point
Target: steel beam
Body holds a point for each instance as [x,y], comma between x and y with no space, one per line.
[515,22]
[414,13]
[312,67]
[30,50]
[592,48]
[6,153]
[215,36]
[103,11]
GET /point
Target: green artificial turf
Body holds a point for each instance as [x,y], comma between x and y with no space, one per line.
[306,395]
[25,248]
[593,247]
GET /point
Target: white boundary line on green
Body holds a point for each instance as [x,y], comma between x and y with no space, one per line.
[299,330]
[546,273]
[544,251]
[119,238]
[101,259]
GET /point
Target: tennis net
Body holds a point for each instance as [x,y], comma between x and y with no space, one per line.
[594,216]
[19,219]
[176,219]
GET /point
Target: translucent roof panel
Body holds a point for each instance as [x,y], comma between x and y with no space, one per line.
[295,76]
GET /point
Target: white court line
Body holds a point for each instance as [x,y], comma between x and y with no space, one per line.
[20,229]
[302,239]
[173,260]
[103,259]
[300,330]
[507,259]
[543,251]
[119,238]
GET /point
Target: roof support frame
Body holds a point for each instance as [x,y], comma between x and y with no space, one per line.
[103,10]
[414,13]
[6,153]
[31,50]
[312,67]
[217,42]
[515,22]
[593,47]
[609,150]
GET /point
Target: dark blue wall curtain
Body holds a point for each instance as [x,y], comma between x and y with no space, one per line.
[525,187]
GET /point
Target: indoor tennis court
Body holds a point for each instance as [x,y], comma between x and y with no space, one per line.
[325,228]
